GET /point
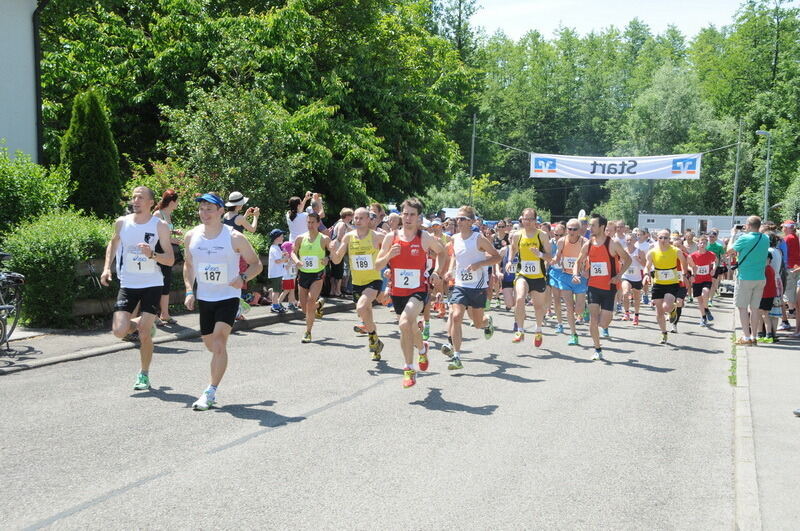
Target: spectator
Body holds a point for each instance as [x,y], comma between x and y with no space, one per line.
[337,232]
[289,275]
[164,210]
[276,269]
[751,249]
[791,259]
[296,217]
[233,216]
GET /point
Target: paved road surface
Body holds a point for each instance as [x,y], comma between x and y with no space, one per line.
[319,436]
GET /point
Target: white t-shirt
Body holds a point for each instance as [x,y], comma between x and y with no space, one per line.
[297,226]
[275,270]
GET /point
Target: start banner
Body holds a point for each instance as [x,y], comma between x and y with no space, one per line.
[662,167]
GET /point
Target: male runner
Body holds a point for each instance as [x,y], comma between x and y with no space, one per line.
[533,247]
[133,245]
[606,260]
[632,280]
[212,260]
[568,249]
[645,244]
[362,245]
[719,272]
[703,264]
[472,254]
[405,251]
[662,262]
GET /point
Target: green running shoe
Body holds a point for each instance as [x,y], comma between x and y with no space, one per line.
[573,339]
[306,338]
[376,351]
[426,331]
[142,382]
[455,364]
[488,330]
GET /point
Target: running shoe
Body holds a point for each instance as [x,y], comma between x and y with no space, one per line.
[559,329]
[619,308]
[422,360]
[586,314]
[320,304]
[447,350]
[537,339]
[766,339]
[579,321]
[455,364]
[635,320]
[205,402]
[488,330]
[409,378]
[133,337]
[626,316]
[673,315]
[573,339]
[598,354]
[142,382]
[276,309]
[306,337]
[674,328]
[426,331]
[710,303]
[784,326]
[442,311]
[743,341]
[293,308]
[604,333]
[518,336]
[360,329]
[663,338]
[703,322]
[709,317]
[646,299]
[376,350]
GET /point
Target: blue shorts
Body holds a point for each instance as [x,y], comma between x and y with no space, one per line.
[552,277]
[564,282]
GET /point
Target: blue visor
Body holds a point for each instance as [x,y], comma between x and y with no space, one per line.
[211,198]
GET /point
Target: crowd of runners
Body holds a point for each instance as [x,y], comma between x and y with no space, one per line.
[574,275]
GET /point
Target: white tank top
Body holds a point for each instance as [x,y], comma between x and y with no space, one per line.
[134,269]
[466,253]
[634,271]
[216,264]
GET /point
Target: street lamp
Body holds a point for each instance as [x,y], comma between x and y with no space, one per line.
[766,177]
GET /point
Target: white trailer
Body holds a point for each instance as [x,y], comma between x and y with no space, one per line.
[681,222]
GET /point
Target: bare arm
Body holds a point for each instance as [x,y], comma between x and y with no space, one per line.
[514,250]
[626,260]
[580,263]
[338,252]
[166,258]
[111,251]
[387,252]
[254,266]
[188,273]
[494,257]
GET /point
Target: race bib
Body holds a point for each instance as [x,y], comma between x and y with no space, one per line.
[212,273]
[630,272]
[598,269]
[466,275]
[406,278]
[702,270]
[310,262]
[665,275]
[362,262]
[531,267]
[569,262]
[139,264]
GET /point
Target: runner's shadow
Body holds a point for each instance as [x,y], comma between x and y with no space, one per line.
[327,341]
[553,355]
[678,347]
[436,402]
[636,365]
[382,367]
[267,332]
[266,418]
[500,371]
[161,394]
[158,349]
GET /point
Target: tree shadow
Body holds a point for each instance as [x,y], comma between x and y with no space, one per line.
[436,402]
[265,417]
[500,371]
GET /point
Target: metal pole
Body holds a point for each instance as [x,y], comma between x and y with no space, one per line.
[736,175]
[766,181]
[472,160]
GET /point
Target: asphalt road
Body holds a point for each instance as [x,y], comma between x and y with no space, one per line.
[319,436]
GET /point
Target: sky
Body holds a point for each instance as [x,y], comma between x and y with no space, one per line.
[516,17]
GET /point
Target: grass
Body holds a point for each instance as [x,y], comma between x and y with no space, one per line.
[732,373]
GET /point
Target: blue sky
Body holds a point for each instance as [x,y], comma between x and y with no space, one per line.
[515,17]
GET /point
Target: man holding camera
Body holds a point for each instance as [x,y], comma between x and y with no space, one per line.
[751,249]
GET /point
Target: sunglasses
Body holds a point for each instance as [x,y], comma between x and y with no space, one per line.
[573,229]
[462,218]
[528,219]
[712,233]
[663,237]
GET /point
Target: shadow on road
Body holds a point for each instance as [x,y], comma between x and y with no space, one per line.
[158,349]
[636,365]
[554,355]
[500,370]
[436,402]
[265,417]
[161,394]
[382,367]
[327,341]
[18,354]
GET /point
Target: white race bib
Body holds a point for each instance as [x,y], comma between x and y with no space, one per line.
[212,273]
[665,275]
[362,262]
[702,270]
[569,262]
[630,272]
[598,269]
[466,275]
[310,262]
[406,278]
[137,264]
[531,267]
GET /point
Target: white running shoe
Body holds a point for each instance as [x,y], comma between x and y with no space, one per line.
[598,355]
[205,402]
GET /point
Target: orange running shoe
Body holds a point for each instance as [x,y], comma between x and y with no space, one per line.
[409,378]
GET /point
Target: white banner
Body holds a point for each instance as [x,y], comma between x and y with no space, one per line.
[685,166]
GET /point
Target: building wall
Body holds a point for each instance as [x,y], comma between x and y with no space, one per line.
[17,76]
[698,223]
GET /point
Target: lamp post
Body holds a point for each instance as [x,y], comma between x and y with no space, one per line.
[766,176]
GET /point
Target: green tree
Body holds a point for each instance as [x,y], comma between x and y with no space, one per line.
[90,157]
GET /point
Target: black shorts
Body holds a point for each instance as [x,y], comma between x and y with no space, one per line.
[306,279]
[507,284]
[766,303]
[469,297]
[166,272]
[720,271]
[358,290]
[697,289]
[215,312]
[337,270]
[681,293]
[659,290]
[399,303]
[602,297]
[128,298]
[534,284]
[635,284]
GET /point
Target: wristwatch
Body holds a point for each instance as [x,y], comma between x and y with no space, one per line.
[243,277]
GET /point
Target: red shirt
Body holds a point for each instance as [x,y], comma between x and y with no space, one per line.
[599,255]
[793,250]
[409,268]
[703,259]
[770,289]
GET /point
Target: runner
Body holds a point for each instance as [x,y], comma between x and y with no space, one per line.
[632,280]
[645,244]
[405,251]
[719,272]
[308,254]
[212,260]
[792,265]
[605,259]
[472,254]
[661,265]
[534,252]
[703,264]
[362,245]
[133,245]
[441,294]
[683,285]
[568,249]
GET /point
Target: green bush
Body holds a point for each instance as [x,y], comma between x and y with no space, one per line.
[163,176]
[46,250]
[27,189]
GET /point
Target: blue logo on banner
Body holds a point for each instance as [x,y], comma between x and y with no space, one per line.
[688,166]
[544,164]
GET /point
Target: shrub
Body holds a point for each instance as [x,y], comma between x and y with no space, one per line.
[165,175]
[46,250]
[27,189]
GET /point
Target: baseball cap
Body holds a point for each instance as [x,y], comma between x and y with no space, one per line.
[208,197]
[436,221]
[274,233]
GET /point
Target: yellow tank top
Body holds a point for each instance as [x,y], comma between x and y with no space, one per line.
[666,265]
[531,266]
[362,259]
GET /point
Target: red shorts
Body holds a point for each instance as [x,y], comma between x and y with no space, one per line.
[287,284]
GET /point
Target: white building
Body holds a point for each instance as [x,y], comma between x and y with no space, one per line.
[18,94]
[681,222]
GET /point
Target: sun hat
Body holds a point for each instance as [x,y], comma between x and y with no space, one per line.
[236,199]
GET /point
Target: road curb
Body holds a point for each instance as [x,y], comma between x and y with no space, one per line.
[247,324]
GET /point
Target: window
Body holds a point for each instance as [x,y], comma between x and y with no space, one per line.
[702,227]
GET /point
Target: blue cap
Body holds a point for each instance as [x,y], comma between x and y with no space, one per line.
[475,229]
[214,199]
[274,233]
[538,219]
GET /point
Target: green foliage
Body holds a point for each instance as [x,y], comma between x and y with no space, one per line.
[27,189]
[46,250]
[790,206]
[89,155]
[170,174]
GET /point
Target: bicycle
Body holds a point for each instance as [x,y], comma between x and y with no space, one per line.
[10,300]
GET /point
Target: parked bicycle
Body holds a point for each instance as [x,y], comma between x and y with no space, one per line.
[10,300]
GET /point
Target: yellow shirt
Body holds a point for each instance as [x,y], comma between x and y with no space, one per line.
[531,266]
[666,265]
[362,259]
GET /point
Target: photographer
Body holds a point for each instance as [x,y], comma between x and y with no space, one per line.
[233,217]
[751,249]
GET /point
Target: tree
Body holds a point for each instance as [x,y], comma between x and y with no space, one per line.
[89,155]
